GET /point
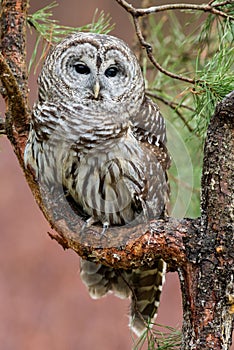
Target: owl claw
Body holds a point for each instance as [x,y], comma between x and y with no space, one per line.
[104,228]
[92,221]
[88,223]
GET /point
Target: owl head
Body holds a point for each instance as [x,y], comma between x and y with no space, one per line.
[98,71]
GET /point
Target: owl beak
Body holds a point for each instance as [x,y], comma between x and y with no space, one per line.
[96,89]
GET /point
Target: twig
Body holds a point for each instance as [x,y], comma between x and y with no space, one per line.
[175,107]
[184,184]
[154,9]
[140,12]
[227,2]
[149,52]
[172,104]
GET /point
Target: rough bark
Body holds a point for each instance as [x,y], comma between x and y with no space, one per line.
[207,278]
[201,250]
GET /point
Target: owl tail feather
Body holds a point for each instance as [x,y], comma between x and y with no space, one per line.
[146,290]
[143,285]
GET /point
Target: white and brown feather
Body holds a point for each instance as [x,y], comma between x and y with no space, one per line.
[108,151]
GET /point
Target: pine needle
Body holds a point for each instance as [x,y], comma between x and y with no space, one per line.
[203,51]
[215,80]
[161,338]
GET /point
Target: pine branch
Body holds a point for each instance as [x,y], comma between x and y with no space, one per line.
[214,63]
[160,337]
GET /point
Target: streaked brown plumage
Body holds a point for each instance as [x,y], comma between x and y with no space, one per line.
[96,134]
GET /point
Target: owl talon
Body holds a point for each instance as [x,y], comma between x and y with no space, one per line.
[88,223]
[104,228]
[92,221]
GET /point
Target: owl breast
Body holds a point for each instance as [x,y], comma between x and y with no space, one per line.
[108,185]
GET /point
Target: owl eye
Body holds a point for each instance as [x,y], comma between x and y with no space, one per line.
[111,72]
[81,68]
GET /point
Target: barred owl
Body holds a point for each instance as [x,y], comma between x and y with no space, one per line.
[95,133]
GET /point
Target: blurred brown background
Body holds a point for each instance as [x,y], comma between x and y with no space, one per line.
[43,304]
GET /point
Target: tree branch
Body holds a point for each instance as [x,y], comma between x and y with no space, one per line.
[129,248]
[194,7]
[152,59]
[211,260]
[218,175]
[137,13]
[13,73]
[15,99]
[175,106]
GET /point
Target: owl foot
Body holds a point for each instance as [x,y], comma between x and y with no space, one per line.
[92,221]
[88,223]
[104,228]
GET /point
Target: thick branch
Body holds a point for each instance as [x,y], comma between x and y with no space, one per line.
[121,247]
[13,72]
[207,280]
[128,248]
[13,40]
[15,99]
[218,175]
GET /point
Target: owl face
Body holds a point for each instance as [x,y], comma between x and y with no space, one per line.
[95,70]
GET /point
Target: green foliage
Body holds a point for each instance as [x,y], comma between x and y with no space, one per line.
[201,50]
[215,78]
[49,31]
[205,55]
[160,337]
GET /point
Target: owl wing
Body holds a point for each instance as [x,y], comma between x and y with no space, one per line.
[149,123]
[100,280]
[149,128]
[143,285]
